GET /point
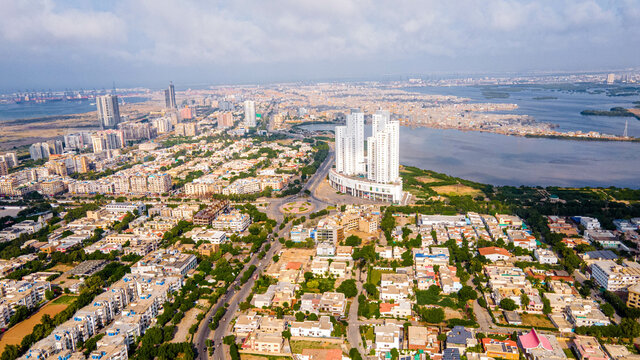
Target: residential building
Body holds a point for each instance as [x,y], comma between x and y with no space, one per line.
[388,336]
[108,111]
[505,349]
[615,277]
[423,338]
[540,347]
[170,97]
[545,256]
[321,328]
[460,338]
[249,114]
[493,253]
[588,348]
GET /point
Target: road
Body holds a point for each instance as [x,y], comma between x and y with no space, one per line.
[235,297]
[353,330]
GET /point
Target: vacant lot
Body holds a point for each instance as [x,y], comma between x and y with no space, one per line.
[64,299]
[536,320]
[182,335]
[15,334]
[62,268]
[262,357]
[450,313]
[458,190]
[298,345]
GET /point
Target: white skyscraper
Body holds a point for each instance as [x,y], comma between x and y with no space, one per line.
[383,149]
[249,114]
[350,145]
[381,167]
[108,111]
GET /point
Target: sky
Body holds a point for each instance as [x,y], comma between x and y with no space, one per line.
[76,43]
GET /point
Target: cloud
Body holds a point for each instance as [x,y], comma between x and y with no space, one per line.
[39,24]
[424,33]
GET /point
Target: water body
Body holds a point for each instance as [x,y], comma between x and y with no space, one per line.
[510,160]
[33,110]
[564,110]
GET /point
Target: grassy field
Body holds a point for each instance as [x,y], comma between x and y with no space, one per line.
[298,345]
[64,299]
[536,320]
[457,190]
[375,276]
[14,335]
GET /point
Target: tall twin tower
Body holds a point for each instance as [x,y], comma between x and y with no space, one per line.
[382,161]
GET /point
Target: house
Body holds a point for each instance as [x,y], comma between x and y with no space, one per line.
[423,338]
[245,324]
[265,342]
[319,267]
[400,309]
[388,336]
[620,352]
[588,348]
[320,328]
[545,256]
[339,269]
[494,253]
[505,349]
[521,238]
[589,223]
[586,313]
[451,354]
[540,347]
[461,338]
[512,317]
[449,282]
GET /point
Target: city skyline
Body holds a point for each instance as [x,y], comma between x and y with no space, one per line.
[138,43]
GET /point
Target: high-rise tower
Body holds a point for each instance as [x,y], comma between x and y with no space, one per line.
[108,111]
[170,97]
[249,114]
[383,149]
[350,145]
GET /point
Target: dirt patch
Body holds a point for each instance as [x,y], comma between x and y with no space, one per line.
[426,179]
[452,314]
[459,190]
[62,268]
[14,335]
[298,345]
[536,320]
[182,334]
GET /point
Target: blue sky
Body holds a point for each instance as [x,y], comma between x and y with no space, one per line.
[59,44]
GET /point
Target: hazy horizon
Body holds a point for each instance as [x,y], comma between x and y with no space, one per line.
[73,44]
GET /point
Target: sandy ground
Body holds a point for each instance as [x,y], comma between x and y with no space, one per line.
[15,334]
[426,179]
[62,267]
[452,314]
[182,334]
[456,190]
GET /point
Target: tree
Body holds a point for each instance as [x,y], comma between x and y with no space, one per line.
[508,304]
[394,354]
[348,288]
[607,309]
[467,293]
[433,315]
[524,300]
[48,294]
[228,340]
[299,316]
[354,354]
[286,334]
[353,240]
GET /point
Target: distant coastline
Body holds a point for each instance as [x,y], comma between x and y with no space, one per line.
[613,112]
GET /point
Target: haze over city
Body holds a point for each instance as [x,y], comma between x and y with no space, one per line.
[59,44]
